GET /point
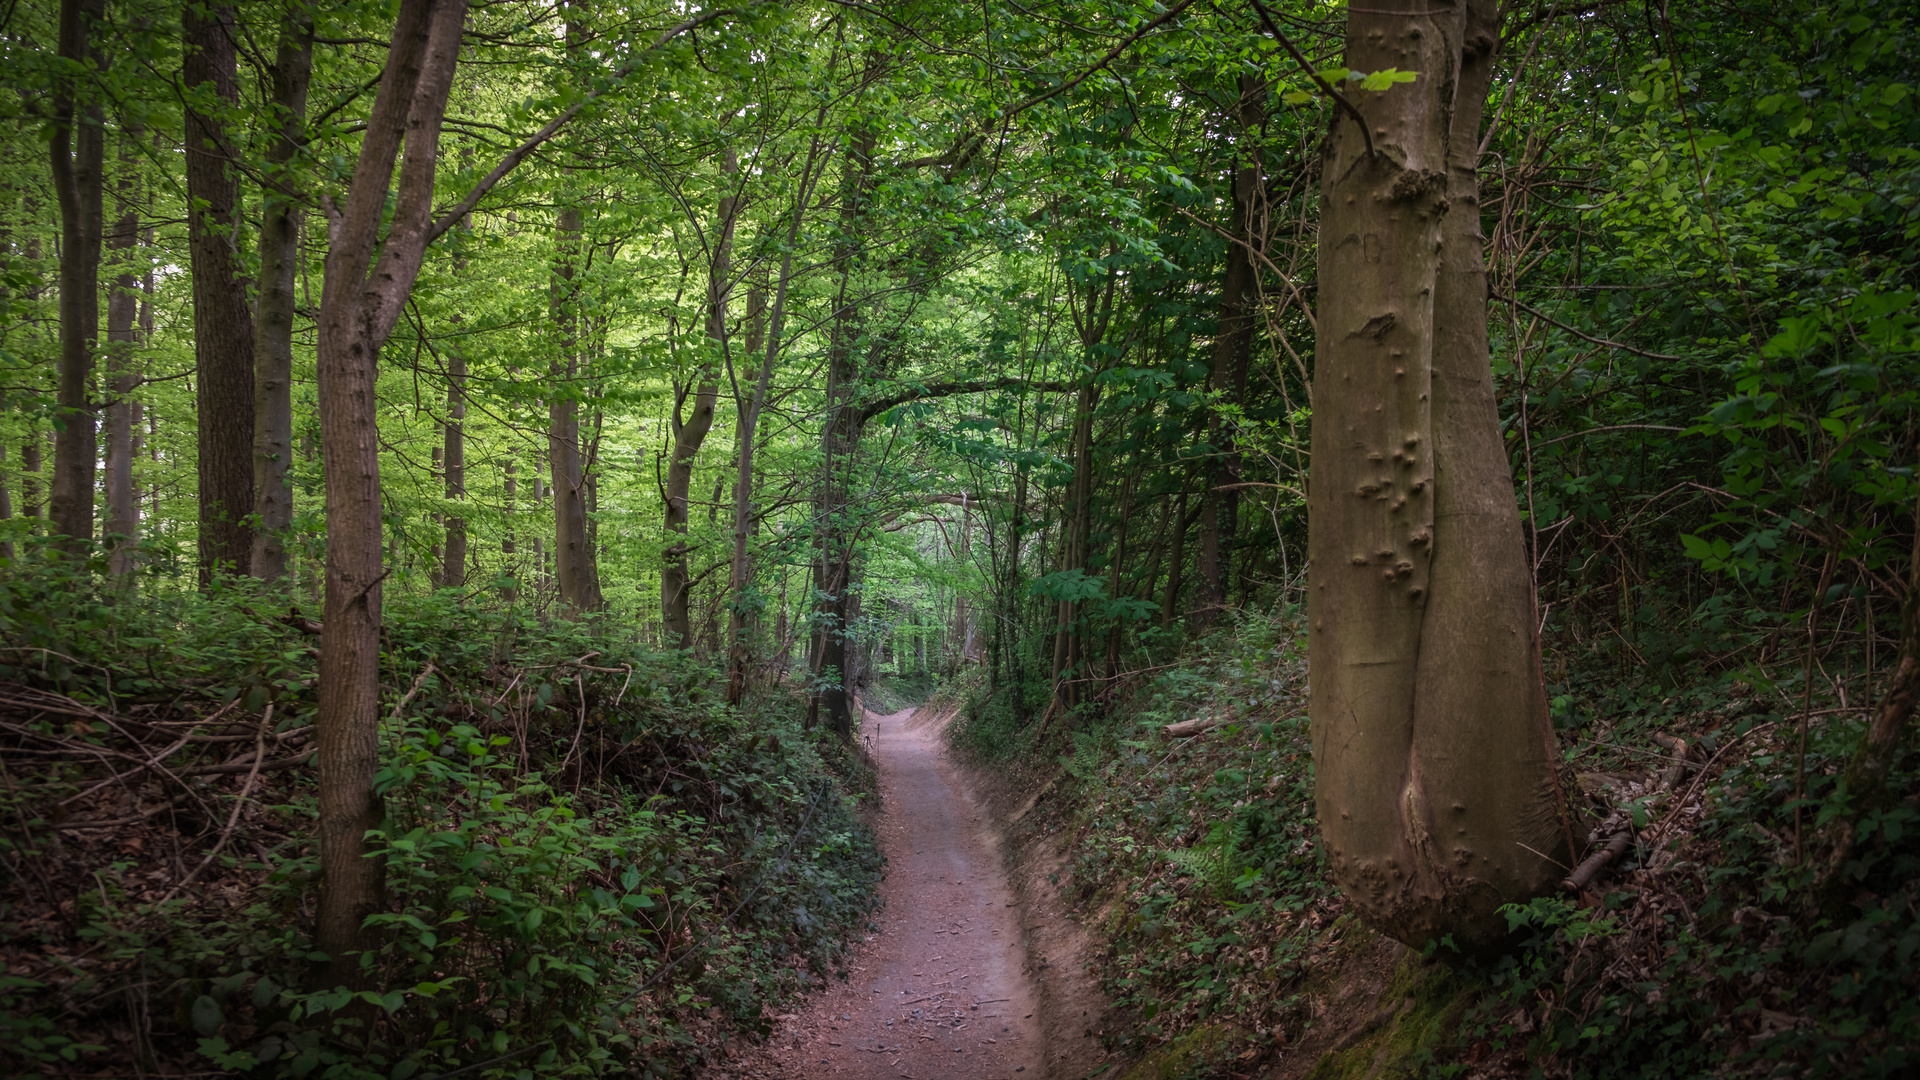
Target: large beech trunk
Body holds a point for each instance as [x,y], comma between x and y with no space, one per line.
[1432,758]
[274,297]
[222,324]
[360,301]
[78,152]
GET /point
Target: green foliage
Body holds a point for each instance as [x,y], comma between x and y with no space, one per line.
[586,866]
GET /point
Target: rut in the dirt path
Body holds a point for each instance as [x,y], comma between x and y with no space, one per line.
[940,990]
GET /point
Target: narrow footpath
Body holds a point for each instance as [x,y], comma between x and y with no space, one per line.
[940,991]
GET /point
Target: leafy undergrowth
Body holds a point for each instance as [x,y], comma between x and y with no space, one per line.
[592,864]
[1714,948]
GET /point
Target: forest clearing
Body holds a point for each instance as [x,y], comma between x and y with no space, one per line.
[1007,539]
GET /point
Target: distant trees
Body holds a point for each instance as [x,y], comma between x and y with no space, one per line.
[912,331]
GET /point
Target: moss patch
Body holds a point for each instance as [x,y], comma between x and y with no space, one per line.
[1186,1056]
[1419,1011]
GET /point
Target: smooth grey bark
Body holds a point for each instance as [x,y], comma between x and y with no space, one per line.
[274,299]
[367,282]
[78,152]
[574,571]
[222,323]
[123,312]
[1432,762]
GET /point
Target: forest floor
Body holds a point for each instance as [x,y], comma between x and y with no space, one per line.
[945,986]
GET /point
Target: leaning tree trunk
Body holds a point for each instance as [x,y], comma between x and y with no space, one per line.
[360,301]
[222,325]
[273,319]
[78,153]
[689,434]
[1434,774]
[746,432]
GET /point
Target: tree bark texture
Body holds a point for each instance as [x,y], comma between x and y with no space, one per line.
[123,311]
[1432,757]
[274,300]
[360,301]
[574,572]
[222,324]
[78,152]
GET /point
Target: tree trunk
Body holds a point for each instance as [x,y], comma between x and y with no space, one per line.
[273,319]
[838,441]
[1232,347]
[745,436]
[1434,776]
[31,492]
[123,309]
[222,325]
[509,547]
[690,433]
[579,585]
[454,572]
[361,299]
[78,157]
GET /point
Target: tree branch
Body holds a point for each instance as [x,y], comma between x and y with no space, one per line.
[948,389]
[1325,87]
[533,142]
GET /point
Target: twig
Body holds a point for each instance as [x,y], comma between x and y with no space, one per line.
[1536,313]
[1307,67]
[239,804]
[581,690]
[394,717]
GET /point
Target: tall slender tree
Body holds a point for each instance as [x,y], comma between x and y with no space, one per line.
[690,430]
[123,309]
[274,296]
[222,322]
[368,279]
[78,150]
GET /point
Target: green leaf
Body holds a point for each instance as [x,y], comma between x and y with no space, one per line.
[207,1016]
[1385,78]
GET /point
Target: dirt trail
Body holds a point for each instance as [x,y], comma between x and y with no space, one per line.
[940,991]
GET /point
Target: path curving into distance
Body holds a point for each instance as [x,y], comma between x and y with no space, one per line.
[940,991]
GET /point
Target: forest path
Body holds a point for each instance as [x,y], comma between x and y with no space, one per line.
[940,991]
